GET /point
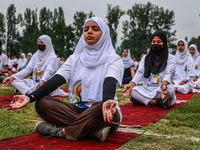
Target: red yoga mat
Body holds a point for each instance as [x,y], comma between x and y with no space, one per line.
[132,115]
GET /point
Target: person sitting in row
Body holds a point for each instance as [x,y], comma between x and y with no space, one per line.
[13,63]
[43,66]
[136,64]
[155,70]
[128,66]
[28,58]
[21,62]
[3,65]
[92,71]
[196,57]
[182,80]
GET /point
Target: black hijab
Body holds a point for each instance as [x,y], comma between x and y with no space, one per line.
[156,60]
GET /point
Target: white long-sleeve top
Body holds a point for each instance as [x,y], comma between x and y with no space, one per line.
[184,71]
[152,84]
[197,66]
[44,74]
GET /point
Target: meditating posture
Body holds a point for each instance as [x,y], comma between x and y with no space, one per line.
[21,62]
[43,65]
[3,65]
[128,66]
[196,57]
[28,58]
[93,71]
[155,69]
[182,80]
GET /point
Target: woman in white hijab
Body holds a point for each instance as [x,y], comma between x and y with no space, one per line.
[93,71]
[196,57]
[128,66]
[21,62]
[43,66]
[182,80]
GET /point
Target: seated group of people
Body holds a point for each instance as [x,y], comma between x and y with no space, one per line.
[93,71]
[162,73]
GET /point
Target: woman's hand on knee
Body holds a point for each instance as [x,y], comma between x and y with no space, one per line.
[127,88]
[163,91]
[19,101]
[40,84]
[108,109]
[7,81]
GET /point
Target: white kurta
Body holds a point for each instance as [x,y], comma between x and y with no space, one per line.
[114,70]
[184,71]
[26,86]
[151,86]
[196,66]
[3,61]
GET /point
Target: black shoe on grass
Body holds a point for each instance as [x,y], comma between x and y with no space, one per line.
[49,129]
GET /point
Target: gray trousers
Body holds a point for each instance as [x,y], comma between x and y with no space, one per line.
[78,122]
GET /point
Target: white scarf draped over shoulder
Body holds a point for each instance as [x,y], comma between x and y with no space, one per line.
[43,57]
[196,54]
[95,59]
[181,57]
[127,61]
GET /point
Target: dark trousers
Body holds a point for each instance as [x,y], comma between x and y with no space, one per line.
[78,122]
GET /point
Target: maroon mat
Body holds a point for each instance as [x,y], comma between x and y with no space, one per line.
[132,115]
[35,142]
[184,96]
[142,115]
[5,100]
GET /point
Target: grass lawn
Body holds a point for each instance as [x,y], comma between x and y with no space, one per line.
[179,129]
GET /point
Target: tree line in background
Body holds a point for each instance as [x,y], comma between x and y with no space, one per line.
[19,32]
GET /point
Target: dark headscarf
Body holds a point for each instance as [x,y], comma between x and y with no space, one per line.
[156,60]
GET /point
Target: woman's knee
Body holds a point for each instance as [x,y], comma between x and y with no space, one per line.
[43,104]
[180,90]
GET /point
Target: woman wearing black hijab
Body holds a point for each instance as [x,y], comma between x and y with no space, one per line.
[156,69]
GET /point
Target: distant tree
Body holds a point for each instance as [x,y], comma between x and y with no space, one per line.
[12,22]
[45,21]
[79,20]
[193,41]
[69,41]
[113,16]
[2,28]
[90,14]
[144,19]
[30,32]
[198,42]
[58,29]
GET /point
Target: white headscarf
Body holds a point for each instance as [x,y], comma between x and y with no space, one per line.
[128,61]
[21,61]
[196,54]
[96,59]
[181,57]
[43,57]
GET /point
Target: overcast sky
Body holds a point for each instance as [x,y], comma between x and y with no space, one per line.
[187,20]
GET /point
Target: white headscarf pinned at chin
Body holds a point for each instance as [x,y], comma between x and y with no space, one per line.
[43,57]
[127,61]
[196,54]
[96,59]
[181,57]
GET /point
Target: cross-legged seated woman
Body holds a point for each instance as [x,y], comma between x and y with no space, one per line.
[182,80]
[93,71]
[155,69]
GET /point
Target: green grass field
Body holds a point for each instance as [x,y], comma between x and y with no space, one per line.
[179,129]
